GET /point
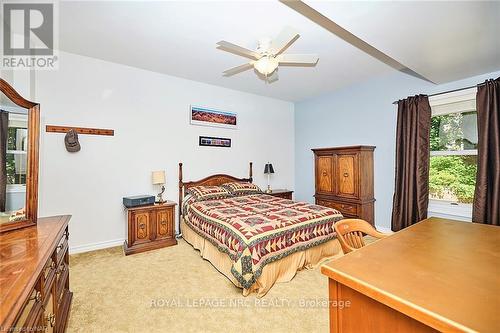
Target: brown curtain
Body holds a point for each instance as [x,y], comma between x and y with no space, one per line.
[4,123]
[411,191]
[486,207]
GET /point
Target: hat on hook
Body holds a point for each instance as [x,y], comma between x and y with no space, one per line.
[71,141]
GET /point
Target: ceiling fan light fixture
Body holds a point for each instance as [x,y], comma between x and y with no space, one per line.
[266,65]
[269,55]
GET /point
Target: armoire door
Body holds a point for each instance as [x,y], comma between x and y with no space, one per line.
[347,175]
[324,174]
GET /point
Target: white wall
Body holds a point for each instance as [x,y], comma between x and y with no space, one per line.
[150,115]
[360,114]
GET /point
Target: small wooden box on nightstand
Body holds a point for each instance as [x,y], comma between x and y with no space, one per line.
[150,227]
[285,194]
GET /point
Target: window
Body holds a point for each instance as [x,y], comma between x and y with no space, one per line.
[453,160]
[17,147]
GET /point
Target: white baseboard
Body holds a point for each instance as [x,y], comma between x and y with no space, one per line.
[383,229]
[95,246]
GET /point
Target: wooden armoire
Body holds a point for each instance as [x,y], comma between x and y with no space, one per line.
[344,180]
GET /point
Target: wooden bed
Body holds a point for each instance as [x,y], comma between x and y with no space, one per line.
[213,180]
[226,244]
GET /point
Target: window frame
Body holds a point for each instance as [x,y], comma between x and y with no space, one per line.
[453,102]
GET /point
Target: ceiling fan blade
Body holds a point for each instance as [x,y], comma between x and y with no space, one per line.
[273,77]
[285,38]
[233,48]
[238,69]
[306,59]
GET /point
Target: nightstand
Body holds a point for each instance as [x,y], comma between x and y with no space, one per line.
[285,194]
[150,227]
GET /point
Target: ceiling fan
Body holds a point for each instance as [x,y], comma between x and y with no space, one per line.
[269,55]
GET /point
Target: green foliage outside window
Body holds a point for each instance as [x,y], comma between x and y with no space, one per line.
[11,169]
[453,178]
[12,144]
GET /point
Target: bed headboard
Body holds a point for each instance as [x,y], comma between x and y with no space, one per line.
[212,180]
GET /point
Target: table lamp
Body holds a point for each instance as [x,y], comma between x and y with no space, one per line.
[268,170]
[159,179]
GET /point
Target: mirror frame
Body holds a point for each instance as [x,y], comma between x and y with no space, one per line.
[32,166]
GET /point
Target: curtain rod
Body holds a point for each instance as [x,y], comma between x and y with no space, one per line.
[449,91]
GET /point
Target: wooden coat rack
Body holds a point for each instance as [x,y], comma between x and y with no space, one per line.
[79,130]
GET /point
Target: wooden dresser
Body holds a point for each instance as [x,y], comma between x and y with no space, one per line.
[34,277]
[344,180]
[150,227]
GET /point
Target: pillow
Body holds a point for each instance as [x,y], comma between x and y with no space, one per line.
[201,193]
[242,188]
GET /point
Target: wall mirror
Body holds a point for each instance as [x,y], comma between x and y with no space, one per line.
[19,135]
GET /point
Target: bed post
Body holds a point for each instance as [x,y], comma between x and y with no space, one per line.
[181,185]
[251,172]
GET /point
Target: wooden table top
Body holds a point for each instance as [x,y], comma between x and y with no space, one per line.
[441,272]
[23,254]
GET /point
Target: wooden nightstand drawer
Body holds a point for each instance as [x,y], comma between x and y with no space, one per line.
[150,227]
[285,194]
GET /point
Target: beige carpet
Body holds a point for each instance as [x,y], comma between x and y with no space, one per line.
[174,290]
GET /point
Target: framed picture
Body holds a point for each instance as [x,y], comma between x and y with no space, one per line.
[214,142]
[204,116]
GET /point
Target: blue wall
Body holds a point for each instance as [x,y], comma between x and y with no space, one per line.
[360,114]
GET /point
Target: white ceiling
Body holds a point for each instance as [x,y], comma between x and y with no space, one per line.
[441,41]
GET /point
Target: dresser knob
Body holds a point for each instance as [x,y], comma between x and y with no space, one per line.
[37,297]
[51,318]
[61,269]
[346,174]
[324,173]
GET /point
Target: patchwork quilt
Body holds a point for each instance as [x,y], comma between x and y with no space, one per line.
[255,230]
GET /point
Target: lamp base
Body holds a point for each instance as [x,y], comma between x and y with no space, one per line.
[159,196]
[269,189]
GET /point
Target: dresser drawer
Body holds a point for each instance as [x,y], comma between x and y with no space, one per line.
[347,209]
[48,275]
[62,247]
[30,313]
[48,319]
[61,279]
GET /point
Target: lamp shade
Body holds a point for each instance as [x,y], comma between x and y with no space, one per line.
[158,177]
[268,168]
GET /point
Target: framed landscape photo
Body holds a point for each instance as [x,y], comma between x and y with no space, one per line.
[203,116]
[214,142]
